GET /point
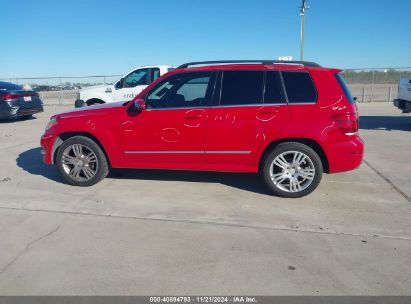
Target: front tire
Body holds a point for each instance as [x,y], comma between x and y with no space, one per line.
[292,170]
[81,161]
[26,117]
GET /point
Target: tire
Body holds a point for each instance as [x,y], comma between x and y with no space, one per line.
[81,161]
[26,117]
[292,170]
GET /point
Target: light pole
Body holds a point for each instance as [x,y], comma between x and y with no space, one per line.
[303,8]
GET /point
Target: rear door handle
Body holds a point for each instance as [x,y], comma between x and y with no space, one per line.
[268,110]
[267,113]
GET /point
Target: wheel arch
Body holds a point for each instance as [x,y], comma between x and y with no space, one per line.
[92,101]
[64,136]
[306,141]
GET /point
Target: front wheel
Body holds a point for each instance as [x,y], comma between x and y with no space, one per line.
[292,170]
[81,161]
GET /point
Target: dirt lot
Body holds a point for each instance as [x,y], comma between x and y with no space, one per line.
[176,233]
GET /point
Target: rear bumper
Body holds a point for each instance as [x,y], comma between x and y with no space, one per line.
[14,110]
[403,105]
[346,155]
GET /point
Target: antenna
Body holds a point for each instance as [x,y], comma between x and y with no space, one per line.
[303,8]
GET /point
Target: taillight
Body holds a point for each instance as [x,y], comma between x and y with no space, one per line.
[347,123]
[16,96]
[7,97]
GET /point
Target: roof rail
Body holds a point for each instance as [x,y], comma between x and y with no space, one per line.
[304,63]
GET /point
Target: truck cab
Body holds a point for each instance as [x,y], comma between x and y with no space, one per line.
[125,89]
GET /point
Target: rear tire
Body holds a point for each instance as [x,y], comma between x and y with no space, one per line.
[81,161]
[292,170]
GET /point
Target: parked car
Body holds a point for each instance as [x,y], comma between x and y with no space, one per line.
[403,102]
[288,121]
[124,89]
[15,102]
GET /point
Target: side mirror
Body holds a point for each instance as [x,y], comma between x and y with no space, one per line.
[136,107]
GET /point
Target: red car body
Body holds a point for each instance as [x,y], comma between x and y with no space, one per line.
[218,138]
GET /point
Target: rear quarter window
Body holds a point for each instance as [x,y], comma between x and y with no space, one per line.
[299,87]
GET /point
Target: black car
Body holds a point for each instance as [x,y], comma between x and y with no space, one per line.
[18,103]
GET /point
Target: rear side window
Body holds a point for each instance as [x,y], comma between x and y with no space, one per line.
[156,73]
[242,88]
[345,88]
[273,92]
[299,87]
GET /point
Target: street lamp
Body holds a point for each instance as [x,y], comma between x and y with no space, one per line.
[303,8]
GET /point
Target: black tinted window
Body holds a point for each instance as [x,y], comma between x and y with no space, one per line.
[182,90]
[344,87]
[273,88]
[4,86]
[300,87]
[242,87]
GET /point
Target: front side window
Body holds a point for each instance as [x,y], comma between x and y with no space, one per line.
[135,78]
[242,88]
[183,90]
[299,87]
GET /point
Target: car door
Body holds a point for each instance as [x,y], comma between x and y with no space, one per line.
[132,84]
[170,133]
[248,113]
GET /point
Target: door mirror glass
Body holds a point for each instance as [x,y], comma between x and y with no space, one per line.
[139,105]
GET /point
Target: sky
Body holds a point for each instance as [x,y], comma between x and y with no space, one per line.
[89,37]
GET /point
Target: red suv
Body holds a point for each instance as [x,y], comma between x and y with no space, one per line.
[288,121]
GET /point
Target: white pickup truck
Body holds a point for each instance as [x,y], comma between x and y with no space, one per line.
[124,89]
[403,102]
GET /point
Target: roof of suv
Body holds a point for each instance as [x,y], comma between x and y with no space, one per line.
[252,64]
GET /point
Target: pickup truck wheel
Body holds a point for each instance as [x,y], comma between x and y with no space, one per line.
[81,161]
[292,170]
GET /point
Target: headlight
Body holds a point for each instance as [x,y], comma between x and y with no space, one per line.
[51,123]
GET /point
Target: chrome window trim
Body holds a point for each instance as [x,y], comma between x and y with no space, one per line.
[189,152]
[230,106]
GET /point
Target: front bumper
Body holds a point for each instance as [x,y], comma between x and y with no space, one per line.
[403,105]
[46,143]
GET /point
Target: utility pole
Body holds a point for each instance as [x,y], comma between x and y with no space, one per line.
[303,8]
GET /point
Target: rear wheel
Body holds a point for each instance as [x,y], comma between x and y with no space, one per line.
[292,170]
[81,161]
